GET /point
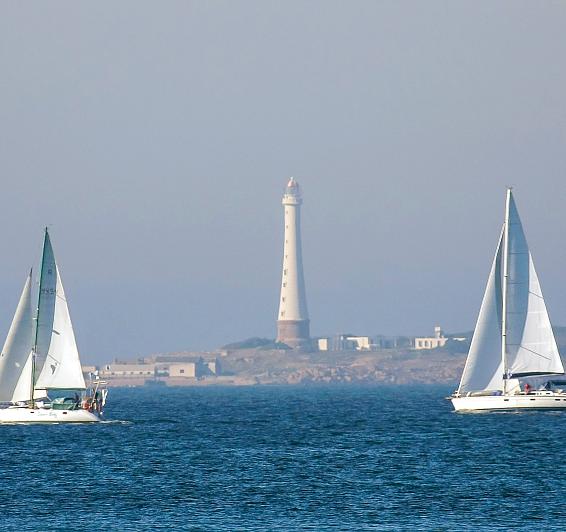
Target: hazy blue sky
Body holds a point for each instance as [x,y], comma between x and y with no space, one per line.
[156,139]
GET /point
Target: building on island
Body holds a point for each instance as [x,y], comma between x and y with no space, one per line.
[161,367]
[431,342]
[345,342]
[323,344]
[350,342]
[126,370]
[361,343]
[180,369]
[392,342]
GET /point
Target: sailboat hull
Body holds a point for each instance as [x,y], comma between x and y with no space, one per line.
[43,415]
[542,401]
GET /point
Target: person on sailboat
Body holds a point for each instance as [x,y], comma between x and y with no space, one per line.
[87,403]
[97,401]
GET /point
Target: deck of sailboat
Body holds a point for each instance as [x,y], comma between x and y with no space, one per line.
[17,414]
[539,400]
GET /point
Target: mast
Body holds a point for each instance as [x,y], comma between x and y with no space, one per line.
[34,348]
[504,292]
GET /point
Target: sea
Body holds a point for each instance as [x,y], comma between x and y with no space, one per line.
[334,457]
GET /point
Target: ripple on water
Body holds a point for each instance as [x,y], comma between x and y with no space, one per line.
[319,458]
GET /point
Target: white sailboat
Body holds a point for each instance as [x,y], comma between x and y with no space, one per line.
[41,379]
[513,345]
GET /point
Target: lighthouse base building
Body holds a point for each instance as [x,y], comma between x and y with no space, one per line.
[294,333]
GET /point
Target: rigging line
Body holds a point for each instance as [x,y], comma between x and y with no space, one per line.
[49,355]
[533,352]
[536,295]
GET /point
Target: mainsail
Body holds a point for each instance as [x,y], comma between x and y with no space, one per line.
[62,367]
[17,348]
[530,346]
[45,305]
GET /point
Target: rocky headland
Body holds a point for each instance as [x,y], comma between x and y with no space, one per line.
[387,366]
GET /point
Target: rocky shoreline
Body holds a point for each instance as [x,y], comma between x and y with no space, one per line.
[394,367]
[281,367]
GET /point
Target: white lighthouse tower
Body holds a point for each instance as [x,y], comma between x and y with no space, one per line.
[293,317]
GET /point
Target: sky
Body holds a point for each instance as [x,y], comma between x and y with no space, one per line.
[155,140]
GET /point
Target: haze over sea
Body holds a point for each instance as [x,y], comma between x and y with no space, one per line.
[156,138]
[287,458]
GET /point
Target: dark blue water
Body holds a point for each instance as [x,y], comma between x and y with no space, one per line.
[287,458]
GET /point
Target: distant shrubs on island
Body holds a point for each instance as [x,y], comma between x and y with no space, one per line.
[255,343]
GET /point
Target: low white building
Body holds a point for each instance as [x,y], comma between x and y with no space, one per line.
[127,370]
[431,342]
[361,343]
[183,369]
[344,342]
[213,367]
[323,344]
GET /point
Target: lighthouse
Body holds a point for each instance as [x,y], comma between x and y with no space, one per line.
[293,317]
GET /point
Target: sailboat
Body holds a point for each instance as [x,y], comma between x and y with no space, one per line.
[513,347]
[41,379]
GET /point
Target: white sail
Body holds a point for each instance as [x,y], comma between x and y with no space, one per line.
[62,367]
[483,370]
[23,387]
[22,391]
[531,346]
[45,305]
[17,347]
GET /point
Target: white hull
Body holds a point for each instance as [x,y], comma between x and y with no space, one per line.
[45,415]
[540,400]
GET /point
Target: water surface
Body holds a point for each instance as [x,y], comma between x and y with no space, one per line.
[287,458]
